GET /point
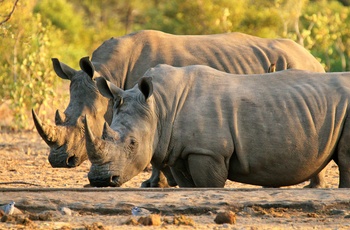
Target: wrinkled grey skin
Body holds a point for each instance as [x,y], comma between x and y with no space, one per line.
[124,60]
[67,138]
[276,129]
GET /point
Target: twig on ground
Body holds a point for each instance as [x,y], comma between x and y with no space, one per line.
[20,182]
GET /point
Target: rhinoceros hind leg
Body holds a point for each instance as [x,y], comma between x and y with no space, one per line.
[344,172]
[318,181]
[342,157]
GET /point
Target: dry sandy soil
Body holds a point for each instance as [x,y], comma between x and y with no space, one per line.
[27,178]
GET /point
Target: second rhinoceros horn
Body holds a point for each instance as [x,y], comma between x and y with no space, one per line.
[94,144]
[59,118]
[52,135]
[109,134]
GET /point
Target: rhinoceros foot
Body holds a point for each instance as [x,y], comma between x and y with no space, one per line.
[156,181]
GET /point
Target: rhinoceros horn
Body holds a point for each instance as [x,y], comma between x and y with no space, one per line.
[50,134]
[93,144]
[109,134]
[59,118]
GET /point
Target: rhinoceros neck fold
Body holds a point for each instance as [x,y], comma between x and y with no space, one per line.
[111,60]
[169,97]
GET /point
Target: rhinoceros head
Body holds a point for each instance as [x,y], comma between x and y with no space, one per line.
[125,148]
[66,139]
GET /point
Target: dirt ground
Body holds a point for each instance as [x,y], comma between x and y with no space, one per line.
[27,178]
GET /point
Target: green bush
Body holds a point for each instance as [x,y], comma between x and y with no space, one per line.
[42,29]
[27,79]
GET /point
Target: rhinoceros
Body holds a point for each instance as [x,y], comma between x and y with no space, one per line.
[208,126]
[125,59]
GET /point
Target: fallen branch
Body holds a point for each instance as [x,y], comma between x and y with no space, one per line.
[20,182]
[10,14]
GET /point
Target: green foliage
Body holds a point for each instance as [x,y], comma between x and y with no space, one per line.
[62,16]
[328,34]
[27,79]
[192,17]
[214,16]
[42,29]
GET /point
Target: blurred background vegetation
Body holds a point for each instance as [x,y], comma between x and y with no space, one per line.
[32,32]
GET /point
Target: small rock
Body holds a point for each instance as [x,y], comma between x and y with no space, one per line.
[337,212]
[26,222]
[249,211]
[46,216]
[227,217]
[7,218]
[33,216]
[131,221]
[312,215]
[66,228]
[95,226]
[153,219]
[183,220]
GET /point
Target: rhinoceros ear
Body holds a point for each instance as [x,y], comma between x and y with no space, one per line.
[102,86]
[87,66]
[108,89]
[63,70]
[146,86]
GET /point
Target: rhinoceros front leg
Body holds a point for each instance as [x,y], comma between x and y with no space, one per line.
[181,174]
[208,170]
[169,176]
[157,180]
[160,179]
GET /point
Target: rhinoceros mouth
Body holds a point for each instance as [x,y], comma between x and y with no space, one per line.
[113,181]
[61,158]
[58,160]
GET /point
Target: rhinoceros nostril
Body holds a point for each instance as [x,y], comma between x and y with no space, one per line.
[72,161]
[114,182]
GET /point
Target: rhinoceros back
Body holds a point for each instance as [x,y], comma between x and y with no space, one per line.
[125,59]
